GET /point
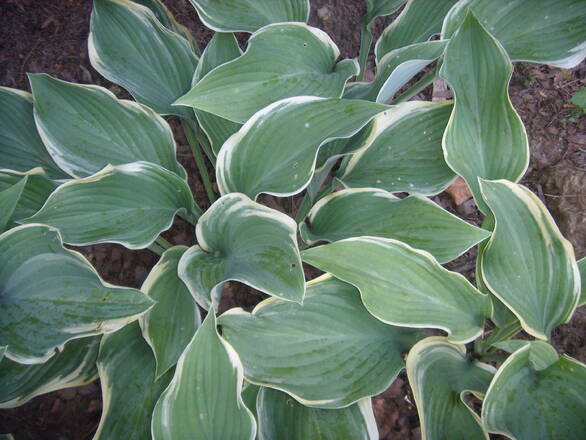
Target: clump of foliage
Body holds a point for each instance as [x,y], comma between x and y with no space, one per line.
[80,167]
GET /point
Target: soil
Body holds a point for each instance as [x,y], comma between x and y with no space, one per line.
[51,36]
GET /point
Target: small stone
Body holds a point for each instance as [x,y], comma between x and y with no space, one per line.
[459,191]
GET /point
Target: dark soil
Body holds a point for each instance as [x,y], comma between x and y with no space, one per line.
[51,36]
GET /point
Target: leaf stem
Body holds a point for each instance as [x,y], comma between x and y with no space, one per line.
[312,193]
[425,81]
[500,334]
[365,43]
[160,241]
[491,357]
[155,248]
[199,160]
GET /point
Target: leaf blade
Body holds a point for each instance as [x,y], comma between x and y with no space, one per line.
[332,352]
[305,64]
[129,204]
[538,260]
[494,146]
[406,295]
[358,212]
[244,241]
[208,365]
[52,295]
[248,163]
[156,68]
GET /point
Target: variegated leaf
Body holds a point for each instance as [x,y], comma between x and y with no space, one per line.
[74,366]
[419,20]
[281,61]
[128,204]
[327,353]
[171,323]
[403,152]
[37,189]
[21,148]
[395,70]
[404,286]
[86,128]
[527,262]
[130,387]
[166,18]
[130,47]
[485,136]
[203,400]
[51,295]
[414,220]
[8,201]
[249,15]
[244,241]
[222,48]
[440,374]
[282,417]
[249,161]
[537,394]
[538,31]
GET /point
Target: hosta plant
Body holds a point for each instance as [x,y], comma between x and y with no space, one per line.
[286,117]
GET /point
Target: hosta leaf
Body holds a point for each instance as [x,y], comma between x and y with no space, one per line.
[249,395]
[129,386]
[538,31]
[419,20]
[128,204]
[72,367]
[249,15]
[281,417]
[171,323]
[485,136]
[527,263]
[222,48]
[331,151]
[374,9]
[582,269]
[203,399]
[8,201]
[395,70]
[281,61]
[404,286]
[166,18]
[21,148]
[130,47]
[329,352]
[37,189]
[536,395]
[414,220]
[501,316]
[86,128]
[440,374]
[403,151]
[511,345]
[379,8]
[250,162]
[51,295]
[243,241]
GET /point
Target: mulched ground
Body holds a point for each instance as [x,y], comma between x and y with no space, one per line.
[51,36]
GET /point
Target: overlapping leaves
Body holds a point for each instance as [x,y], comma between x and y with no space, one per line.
[51,295]
[281,61]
